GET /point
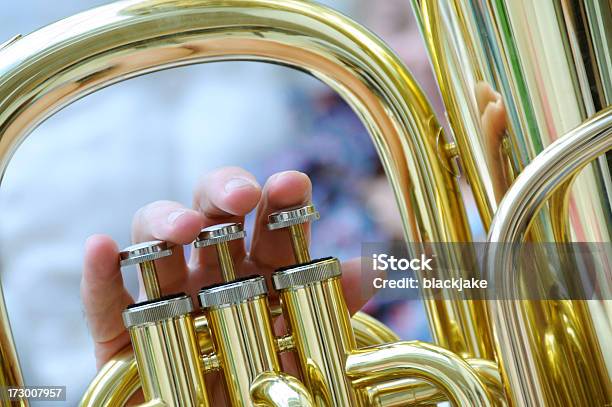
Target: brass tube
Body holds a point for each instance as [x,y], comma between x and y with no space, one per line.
[369,331]
[153,403]
[244,344]
[226,263]
[401,393]
[169,362]
[118,379]
[115,383]
[205,343]
[415,392]
[320,325]
[149,280]
[10,371]
[79,55]
[569,366]
[431,363]
[275,389]
[299,243]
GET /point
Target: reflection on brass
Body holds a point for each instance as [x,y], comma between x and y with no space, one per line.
[564,363]
[220,236]
[279,389]
[295,219]
[526,71]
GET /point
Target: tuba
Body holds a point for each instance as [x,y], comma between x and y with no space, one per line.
[551,62]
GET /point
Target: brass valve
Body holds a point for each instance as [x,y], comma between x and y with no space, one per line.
[219,236]
[144,255]
[294,219]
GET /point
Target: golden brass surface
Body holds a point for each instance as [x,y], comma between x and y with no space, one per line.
[118,379]
[50,68]
[299,244]
[226,263]
[169,362]
[436,365]
[115,383]
[319,322]
[550,63]
[562,361]
[245,345]
[149,280]
[10,371]
[415,392]
[431,363]
[368,331]
[279,389]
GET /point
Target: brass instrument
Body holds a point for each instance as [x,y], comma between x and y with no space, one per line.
[551,62]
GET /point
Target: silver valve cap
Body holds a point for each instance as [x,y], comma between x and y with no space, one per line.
[292,216]
[161,309]
[234,292]
[306,274]
[145,251]
[216,234]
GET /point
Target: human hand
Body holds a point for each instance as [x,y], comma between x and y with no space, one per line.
[224,195]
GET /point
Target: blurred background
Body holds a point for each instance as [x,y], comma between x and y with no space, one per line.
[91,166]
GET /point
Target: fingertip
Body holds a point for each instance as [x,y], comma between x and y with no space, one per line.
[101,259]
[240,196]
[183,225]
[288,188]
[100,247]
[494,120]
[227,191]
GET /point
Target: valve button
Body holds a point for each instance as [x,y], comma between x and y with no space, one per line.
[292,216]
[216,234]
[145,251]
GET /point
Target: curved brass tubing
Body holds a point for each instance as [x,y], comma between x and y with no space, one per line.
[118,380]
[452,375]
[370,331]
[115,383]
[43,72]
[415,392]
[279,389]
[579,365]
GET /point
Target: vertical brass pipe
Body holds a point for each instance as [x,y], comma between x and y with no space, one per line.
[299,243]
[149,280]
[244,343]
[240,324]
[166,349]
[226,263]
[318,319]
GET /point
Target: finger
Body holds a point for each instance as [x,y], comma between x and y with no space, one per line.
[493,122]
[353,282]
[273,248]
[484,95]
[224,195]
[171,222]
[104,297]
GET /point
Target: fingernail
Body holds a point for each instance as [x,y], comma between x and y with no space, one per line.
[173,216]
[281,175]
[238,183]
